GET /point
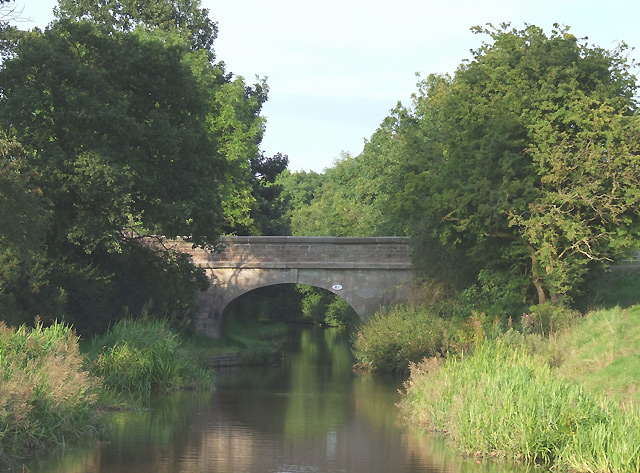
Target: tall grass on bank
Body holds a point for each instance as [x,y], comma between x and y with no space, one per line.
[502,401]
[397,336]
[46,396]
[140,356]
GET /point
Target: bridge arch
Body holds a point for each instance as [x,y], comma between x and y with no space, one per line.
[368,273]
[277,308]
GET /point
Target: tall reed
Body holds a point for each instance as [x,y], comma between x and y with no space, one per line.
[46,396]
[140,356]
[502,401]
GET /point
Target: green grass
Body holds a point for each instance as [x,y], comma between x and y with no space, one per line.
[50,393]
[136,357]
[602,352]
[569,401]
[503,401]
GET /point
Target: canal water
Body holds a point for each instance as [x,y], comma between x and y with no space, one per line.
[310,413]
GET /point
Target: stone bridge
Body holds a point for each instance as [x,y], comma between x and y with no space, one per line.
[368,273]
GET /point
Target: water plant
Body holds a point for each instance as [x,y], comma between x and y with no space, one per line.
[47,397]
[504,401]
[140,356]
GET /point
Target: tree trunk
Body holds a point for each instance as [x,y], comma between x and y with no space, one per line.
[555,297]
[537,282]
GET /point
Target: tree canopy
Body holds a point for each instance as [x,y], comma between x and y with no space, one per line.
[352,197]
[526,160]
[130,130]
[518,174]
[23,224]
[183,16]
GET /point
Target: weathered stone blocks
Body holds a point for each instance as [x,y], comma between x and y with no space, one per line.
[369,272]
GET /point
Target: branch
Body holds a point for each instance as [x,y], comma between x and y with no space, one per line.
[509,236]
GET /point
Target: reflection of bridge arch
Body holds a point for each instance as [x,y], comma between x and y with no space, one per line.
[368,273]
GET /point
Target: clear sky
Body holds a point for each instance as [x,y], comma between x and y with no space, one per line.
[336,68]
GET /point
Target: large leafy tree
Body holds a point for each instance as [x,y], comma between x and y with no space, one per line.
[269,212]
[117,132]
[525,162]
[116,135]
[233,105]
[130,131]
[298,189]
[354,194]
[183,16]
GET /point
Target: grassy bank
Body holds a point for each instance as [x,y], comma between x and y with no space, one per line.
[137,357]
[51,393]
[252,341]
[569,401]
[47,396]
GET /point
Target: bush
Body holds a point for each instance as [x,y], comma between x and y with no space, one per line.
[46,397]
[547,319]
[341,314]
[394,337]
[314,303]
[140,356]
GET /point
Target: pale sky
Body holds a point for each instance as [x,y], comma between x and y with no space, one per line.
[335,68]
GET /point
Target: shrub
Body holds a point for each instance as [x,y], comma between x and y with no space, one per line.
[473,330]
[546,319]
[341,314]
[394,337]
[46,397]
[314,303]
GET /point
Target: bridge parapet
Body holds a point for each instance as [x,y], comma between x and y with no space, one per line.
[306,252]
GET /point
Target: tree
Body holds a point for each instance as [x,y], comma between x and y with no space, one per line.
[351,200]
[526,161]
[270,208]
[118,140]
[8,33]
[118,134]
[353,197]
[233,106]
[132,131]
[23,223]
[183,16]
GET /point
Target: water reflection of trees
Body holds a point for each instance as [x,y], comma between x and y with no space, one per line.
[320,379]
[312,411]
[157,431]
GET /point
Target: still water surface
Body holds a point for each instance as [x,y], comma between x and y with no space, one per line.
[309,414]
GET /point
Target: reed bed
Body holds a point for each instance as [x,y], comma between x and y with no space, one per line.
[136,357]
[46,396]
[505,401]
